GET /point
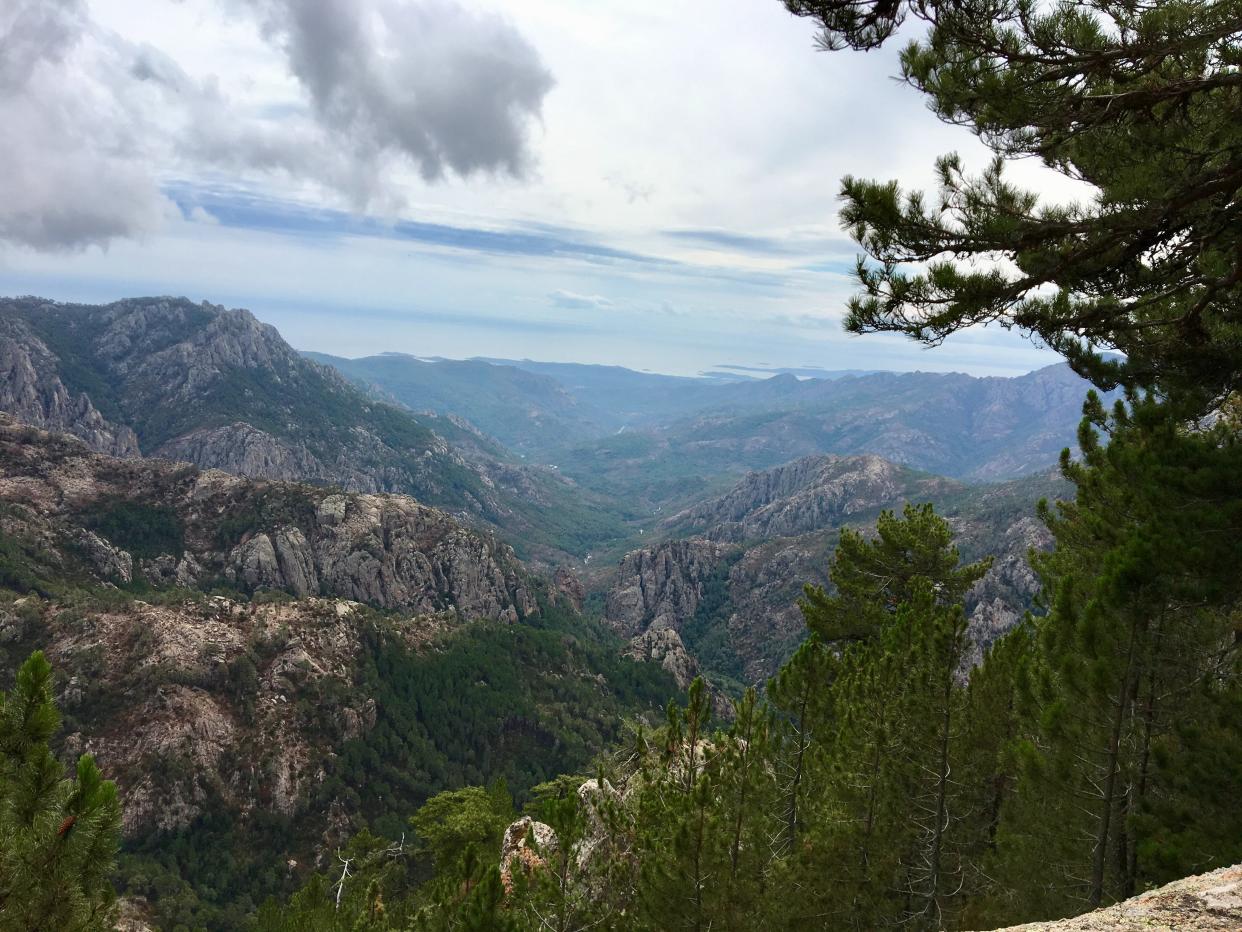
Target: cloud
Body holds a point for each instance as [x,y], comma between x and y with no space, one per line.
[93,122]
[450,89]
[243,209]
[788,245]
[200,214]
[575,301]
[72,168]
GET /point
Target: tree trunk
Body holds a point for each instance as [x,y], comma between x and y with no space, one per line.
[1099,859]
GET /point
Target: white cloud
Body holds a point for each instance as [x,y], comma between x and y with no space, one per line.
[73,164]
[94,120]
[574,301]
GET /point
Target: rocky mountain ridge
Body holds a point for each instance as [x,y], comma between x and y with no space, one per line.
[31,391]
[727,585]
[807,495]
[228,647]
[968,429]
[126,521]
[949,423]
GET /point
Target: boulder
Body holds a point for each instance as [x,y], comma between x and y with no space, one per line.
[518,856]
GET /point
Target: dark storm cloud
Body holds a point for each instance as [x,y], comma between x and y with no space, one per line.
[92,121]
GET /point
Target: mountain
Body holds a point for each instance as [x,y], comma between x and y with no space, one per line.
[526,411]
[195,382]
[233,650]
[654,443]
[534,407]
[71,514]
[722,588]
[954,425]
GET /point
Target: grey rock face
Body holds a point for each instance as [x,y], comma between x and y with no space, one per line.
[998,601]
[386,550]
[518,857]
[806,495]
[166,570]
[661,587]
[781,526]
[664,646]
[244,451]
[255,564]
[392,551]
[109,562]
[296,562]
[32,392]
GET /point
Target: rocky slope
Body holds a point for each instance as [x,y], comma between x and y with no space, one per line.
[228,647]
[79,514]
[207,702]
[807,495]
[1209,902]
[198,383]
[31,391]
[727,583]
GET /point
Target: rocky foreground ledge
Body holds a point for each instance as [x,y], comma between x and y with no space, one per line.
[1206,903]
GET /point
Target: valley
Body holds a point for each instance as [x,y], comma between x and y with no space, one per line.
[593,471]
[254,567]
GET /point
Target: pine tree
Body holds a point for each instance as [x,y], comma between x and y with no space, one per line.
[934,751]
[1139,637]
[872,577]
[1138,101]
[679,840]
[801,692]
[989,770]
[886,650]
[59,835]
[458,830]
[747,789]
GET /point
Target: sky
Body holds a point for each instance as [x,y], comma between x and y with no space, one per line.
[647,183]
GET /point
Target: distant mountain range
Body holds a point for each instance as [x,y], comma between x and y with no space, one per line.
[562,459]
[655,443]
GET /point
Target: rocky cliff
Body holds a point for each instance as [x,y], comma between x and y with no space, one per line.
[163,524]
[729,591]
[661,587]
[31,391]
[807,495]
